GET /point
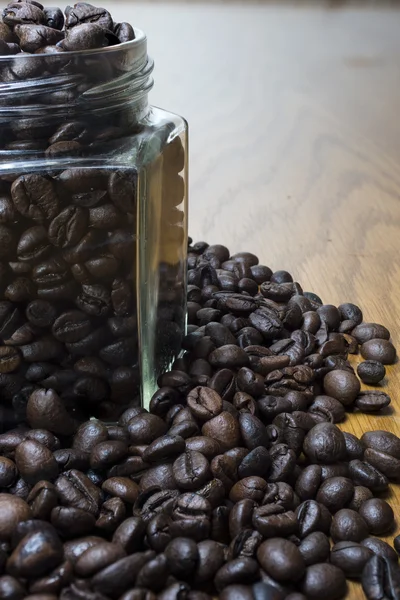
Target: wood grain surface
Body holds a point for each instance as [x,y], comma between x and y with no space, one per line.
[294,146]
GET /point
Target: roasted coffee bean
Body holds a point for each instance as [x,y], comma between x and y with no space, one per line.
[191,470]
[371,372]
[372,401]
[362,473]
[252,431]
[383,441]
[255,463]
[354,447]
[35,462]
[325,443]
[112,513]
[335,493]
[46,410]
[380,579]
[342,385]
[308,482]
[121,487]
[314,548]
[249,487]
[281,559]
[98,557]
[105,454]
[13,510]
[327,409]
[323,580]
[48,554]
[271,520]
[369,331]
[379,350]
[204,403]
[283,462]
[380,548]
[378,515]
[224,428]
[312,516]
[241,570]
[145,428]
[348,525]
[182,555]
[75,489]
[72,522]
[350,557]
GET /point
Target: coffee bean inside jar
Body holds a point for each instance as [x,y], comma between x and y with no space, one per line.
[92,214]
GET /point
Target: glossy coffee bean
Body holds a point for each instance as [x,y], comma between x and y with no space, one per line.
[348,525]
[324,580]
[379,350]
[371,372]
[325,443]
[378,515]
[350,557]
[281,559]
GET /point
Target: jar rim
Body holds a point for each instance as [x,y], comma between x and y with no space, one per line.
[140,39]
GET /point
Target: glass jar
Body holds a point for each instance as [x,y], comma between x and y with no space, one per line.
[93,231]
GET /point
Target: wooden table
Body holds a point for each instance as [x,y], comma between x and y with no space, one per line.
[294,145]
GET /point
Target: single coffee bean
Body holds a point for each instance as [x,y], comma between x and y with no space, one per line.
[360,495]
[354,447]
[98,557]
[327,408]
[105,454]
[145,428]
[191,470]
[362,473]
[371,372]
[350,557]
[314,548]
[35,462]
[342,385]
[369,331]
[380,548]
[378,515]
[324,580]
[48,554]
[335,493]
[271,520]
[77,490]
[13,510]
[325,443]
[121,487]
[348,525]
[312,516]
[182,555]
[380,578]
[249,487]
[46,410]
[72,522]
[308,482]
[224,428]
[372,401]
[204,403]
[281,559]
[379,350]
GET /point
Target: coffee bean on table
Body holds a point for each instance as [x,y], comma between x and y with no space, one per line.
[350,557]
[371,372]
[372,401]
[335,493]
[281,559]
[325,443]
[378,515]
[324,580]
[380,578]
[380,548]
[348,525]
[369,331]
[342,385]
[314,548]
[379,350]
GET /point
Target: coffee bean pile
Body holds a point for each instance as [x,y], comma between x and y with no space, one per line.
[236,483]
[27,26]
[68,216]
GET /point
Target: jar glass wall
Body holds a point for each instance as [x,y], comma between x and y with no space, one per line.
[92,231]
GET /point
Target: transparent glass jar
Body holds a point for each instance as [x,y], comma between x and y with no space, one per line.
[93,231]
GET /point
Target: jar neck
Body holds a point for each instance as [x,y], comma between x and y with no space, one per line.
[104,91]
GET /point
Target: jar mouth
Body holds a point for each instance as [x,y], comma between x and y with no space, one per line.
[139,44]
